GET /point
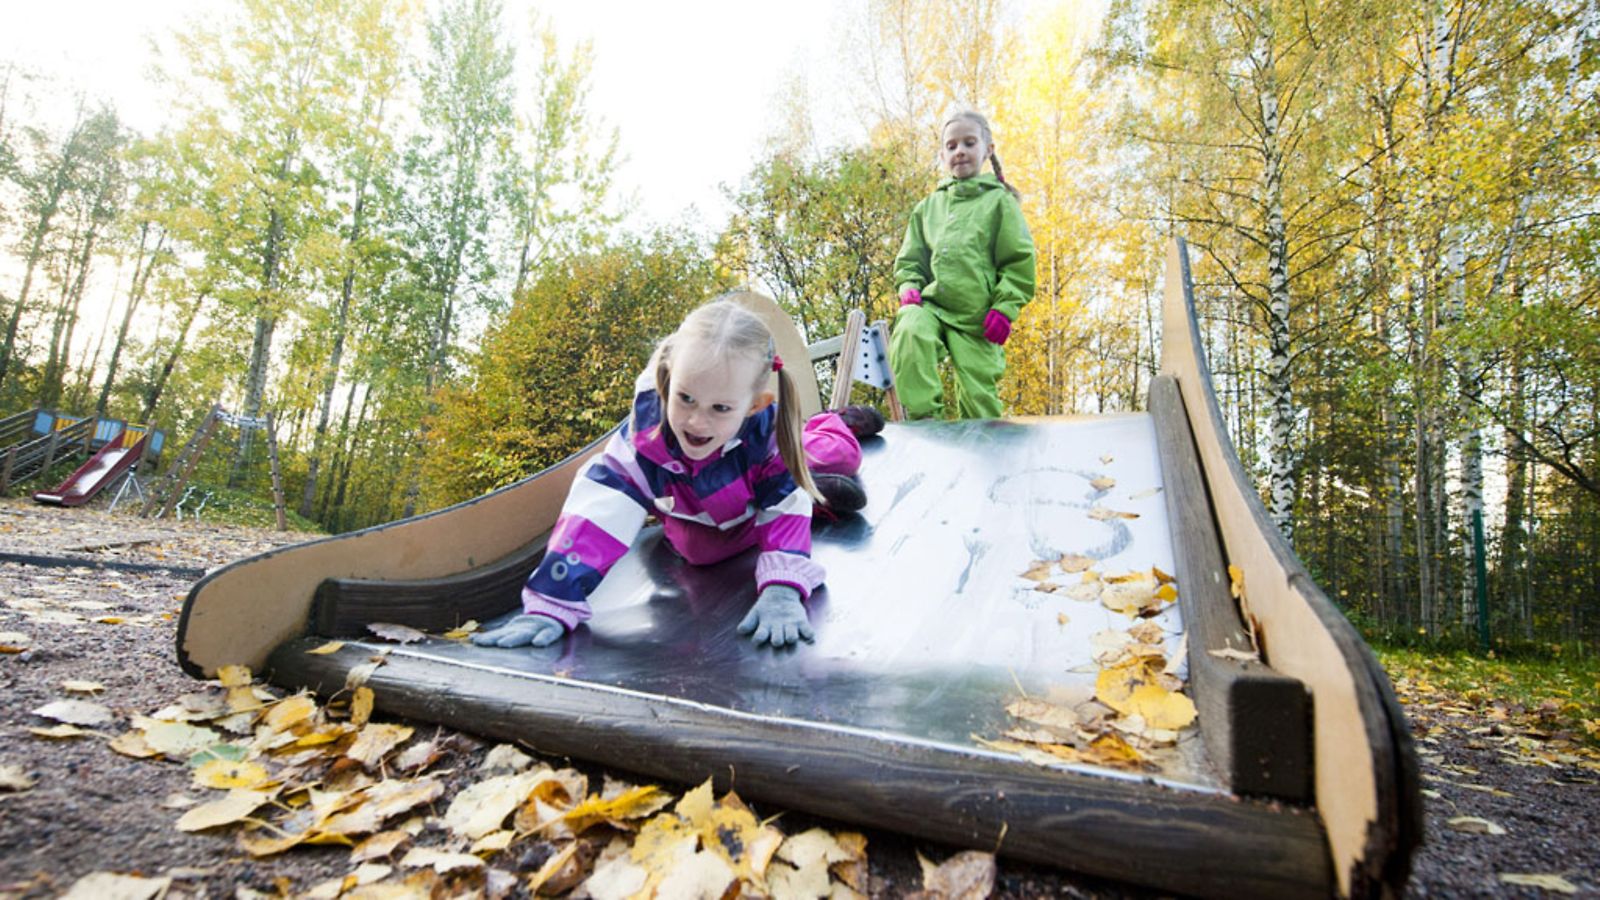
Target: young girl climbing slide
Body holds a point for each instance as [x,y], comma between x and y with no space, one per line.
[725,464]
[964,271]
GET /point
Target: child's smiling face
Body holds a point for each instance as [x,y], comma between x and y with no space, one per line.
[710,399]
[964,150]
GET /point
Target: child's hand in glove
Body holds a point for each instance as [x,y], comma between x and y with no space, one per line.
[520,630]
[778,617]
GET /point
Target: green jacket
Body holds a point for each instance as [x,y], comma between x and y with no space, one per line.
[967,249]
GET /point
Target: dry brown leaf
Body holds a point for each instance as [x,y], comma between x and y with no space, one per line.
[1474,825]
[325,649]
[400,634]
[505,758]
[484,806]
[1047,587]
[1057,718]
[441,861]
[13,779]
[1542,881]
[75,712]
[1072,563]
[1039,570]
[378,846]
[553,865]
[359,675]
[132,743]
[361,706]
[1087,591]
[82,687]
[375,741]
[1103,483]
[417,757]
[60,732]
[493,842]
[235,807]
[113,886]
[14,641]
[786,882]
[968,875]
[179,740]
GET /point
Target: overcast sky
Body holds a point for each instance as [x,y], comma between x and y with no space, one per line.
[686,82]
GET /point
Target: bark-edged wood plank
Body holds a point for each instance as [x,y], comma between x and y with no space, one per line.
[1198,842]
[1256,723]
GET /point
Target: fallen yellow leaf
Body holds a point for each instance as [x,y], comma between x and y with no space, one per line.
[227,774]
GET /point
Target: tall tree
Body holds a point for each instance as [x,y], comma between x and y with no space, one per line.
[1269,201]
[46,184]
[561,178]
[267,87]
[451,169]
[375,71]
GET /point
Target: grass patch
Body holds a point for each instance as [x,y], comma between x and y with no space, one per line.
[247,508]
[1562,692]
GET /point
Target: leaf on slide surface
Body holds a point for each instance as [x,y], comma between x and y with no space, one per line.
[400,634]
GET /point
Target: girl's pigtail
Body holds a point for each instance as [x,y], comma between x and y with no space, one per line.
[994,160]
[790,432]
[662,363]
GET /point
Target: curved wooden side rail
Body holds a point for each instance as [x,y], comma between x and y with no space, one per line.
[239,613]
[1255,722]
[1365,781]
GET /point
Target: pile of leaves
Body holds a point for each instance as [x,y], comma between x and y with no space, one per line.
[1138,707]
[285,771]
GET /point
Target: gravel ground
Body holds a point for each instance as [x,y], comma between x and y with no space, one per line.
[92,810]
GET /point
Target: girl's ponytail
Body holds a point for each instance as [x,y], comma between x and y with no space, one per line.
[790,432]
[994,160]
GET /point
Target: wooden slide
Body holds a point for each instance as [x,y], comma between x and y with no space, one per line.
[1297,780]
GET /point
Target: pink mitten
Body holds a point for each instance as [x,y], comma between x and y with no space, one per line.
[910,296]
[996,327]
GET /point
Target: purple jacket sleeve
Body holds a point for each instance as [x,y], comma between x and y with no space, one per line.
[783,529]
[602,515]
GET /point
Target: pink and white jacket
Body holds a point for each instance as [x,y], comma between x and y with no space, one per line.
[710,509]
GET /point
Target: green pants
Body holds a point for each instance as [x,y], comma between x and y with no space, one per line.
[916,345]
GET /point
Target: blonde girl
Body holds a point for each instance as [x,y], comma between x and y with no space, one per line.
[725,463]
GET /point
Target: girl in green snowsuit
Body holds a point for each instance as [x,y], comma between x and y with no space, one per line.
[964,271]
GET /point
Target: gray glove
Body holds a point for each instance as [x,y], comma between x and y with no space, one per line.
[520,630]
[778,617]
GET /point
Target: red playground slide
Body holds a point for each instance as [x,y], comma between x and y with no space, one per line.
[102,469]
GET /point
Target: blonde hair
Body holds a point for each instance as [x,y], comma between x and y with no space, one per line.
[725,330]
[977,119]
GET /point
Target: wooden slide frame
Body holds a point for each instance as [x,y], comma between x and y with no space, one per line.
[1365,781]
[1321,725]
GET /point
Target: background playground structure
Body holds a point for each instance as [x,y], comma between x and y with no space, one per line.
[36,440]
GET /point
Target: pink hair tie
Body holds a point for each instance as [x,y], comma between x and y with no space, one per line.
[777,363]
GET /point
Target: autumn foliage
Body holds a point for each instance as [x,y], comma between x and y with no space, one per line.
[558,371]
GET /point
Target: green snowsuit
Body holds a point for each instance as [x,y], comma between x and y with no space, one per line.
[967,249]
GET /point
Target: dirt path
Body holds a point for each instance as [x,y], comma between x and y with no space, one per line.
[89,809]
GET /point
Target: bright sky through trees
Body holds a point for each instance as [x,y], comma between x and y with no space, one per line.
[687,83]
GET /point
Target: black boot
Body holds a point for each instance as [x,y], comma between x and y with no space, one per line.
[844,493]
[863,421]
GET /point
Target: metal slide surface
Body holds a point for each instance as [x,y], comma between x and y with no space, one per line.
[926,628]
[90,478]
